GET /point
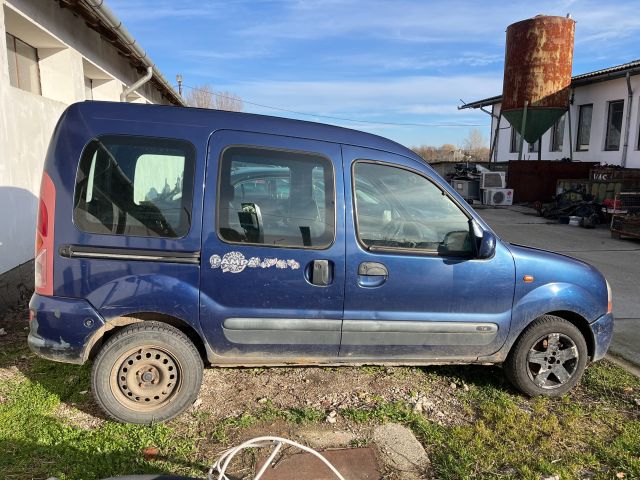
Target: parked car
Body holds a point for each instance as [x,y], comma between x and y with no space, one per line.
[169,238]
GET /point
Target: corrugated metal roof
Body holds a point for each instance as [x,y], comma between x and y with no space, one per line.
[617,68]
[577,80]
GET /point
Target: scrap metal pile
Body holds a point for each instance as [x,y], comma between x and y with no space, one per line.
[573,205]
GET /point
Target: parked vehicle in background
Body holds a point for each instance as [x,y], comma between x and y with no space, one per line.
[171,237]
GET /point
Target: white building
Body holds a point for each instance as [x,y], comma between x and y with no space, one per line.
[54,53]
[605,115]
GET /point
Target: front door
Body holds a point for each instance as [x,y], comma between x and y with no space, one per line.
[272,276]
[414,289]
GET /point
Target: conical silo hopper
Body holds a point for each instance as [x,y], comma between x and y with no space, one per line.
[537,72]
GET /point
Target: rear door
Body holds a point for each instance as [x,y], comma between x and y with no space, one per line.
[414,289]
[272,276]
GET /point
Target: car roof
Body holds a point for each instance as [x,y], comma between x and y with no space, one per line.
[219,119]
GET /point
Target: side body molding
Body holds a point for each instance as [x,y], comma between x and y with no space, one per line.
[395,332]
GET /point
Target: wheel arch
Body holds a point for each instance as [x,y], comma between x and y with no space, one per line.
[114,325]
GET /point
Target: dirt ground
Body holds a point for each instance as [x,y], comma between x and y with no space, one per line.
[457,412]
[234,392]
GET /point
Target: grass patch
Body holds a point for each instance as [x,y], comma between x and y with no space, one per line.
[513,437]
[592,433]
[36,444]
[298,416]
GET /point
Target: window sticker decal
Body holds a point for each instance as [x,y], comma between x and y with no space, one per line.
[235,262]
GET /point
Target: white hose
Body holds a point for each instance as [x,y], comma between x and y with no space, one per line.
[223,462]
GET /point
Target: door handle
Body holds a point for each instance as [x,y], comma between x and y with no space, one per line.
[372,269]
[372,274]
[320,273]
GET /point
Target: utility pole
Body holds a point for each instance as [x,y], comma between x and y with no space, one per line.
[179,80]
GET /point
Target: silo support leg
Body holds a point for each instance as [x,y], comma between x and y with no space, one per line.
[524,128]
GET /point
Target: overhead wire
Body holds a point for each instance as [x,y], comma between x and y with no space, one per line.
[332,117]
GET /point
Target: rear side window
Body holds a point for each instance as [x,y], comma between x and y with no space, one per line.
[276,198]
[136,186]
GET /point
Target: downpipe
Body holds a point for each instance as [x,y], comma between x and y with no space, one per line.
[138,84]
[627,123]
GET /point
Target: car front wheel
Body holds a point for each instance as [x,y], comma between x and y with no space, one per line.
[548,359]
[147,372]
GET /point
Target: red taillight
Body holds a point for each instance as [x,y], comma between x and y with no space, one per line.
[43,219]
[44,237]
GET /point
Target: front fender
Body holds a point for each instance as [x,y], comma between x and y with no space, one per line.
[547,298]
[552,297]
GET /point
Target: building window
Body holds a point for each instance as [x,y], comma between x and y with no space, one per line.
[557,135]
[533,147]
[88,88]
[614,125]
[23,65]
[584,127]
[515,141]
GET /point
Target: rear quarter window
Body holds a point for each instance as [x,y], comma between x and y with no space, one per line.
[139,186]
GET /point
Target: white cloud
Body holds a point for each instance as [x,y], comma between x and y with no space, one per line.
[374,99]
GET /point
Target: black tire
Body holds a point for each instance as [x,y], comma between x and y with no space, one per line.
[548,359]
[148,372]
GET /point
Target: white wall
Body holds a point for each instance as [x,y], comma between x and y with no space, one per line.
[68,51]
[599,94]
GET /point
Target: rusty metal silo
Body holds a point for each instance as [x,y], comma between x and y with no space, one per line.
[537,73]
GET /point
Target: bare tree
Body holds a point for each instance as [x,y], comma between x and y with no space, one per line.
[203,96]
[443,153]
[229,101]
[475,145]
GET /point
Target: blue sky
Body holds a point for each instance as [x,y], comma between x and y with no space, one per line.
[371,61]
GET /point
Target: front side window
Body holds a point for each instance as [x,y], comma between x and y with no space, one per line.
[23,65]
[398,208]
[584,127]
[614,125]
[135,186]
[276,198]
[557,135]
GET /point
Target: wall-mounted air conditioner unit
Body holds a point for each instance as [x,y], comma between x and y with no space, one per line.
[497,196]
[493,180]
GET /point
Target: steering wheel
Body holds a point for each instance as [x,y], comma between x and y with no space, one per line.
[406,231]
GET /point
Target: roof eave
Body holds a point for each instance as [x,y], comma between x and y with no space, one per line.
[101,19]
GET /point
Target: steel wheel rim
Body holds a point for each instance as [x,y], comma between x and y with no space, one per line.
[146,378]
[552,361]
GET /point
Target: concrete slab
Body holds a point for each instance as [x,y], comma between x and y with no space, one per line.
[401,451]
[618,260]
[352,463]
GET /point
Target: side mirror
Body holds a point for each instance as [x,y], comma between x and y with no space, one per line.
[486,245]
[485,241]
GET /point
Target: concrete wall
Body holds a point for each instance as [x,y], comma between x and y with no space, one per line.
[68,51]
[599,94]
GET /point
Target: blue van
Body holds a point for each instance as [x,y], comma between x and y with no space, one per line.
[169,238]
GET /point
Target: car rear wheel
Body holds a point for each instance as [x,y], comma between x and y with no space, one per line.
[147,372]
[548,359]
